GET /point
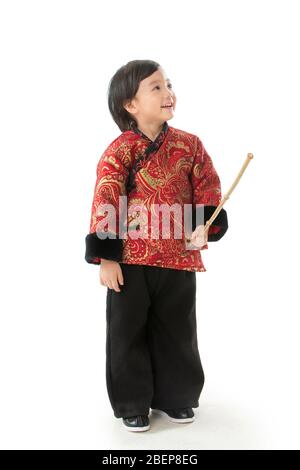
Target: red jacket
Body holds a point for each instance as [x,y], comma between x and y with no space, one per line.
[173,169]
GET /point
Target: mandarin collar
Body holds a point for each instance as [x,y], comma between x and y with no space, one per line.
[158,138]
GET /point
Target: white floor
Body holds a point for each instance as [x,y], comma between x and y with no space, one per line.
[85,421]
[218,425]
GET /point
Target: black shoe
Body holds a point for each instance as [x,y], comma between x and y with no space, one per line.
[136,423]
[179,415]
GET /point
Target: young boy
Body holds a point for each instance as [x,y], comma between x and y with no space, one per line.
[152,357]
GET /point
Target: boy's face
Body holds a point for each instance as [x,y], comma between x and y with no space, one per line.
[154,92]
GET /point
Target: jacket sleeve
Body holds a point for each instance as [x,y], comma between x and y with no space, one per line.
[112,174]
[207,194]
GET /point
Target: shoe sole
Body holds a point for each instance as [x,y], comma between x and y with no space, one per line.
[173,420]
[136,428]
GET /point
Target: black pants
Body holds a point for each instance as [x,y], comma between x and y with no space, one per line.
[152,357]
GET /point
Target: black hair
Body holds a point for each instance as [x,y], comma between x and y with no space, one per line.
[123,86]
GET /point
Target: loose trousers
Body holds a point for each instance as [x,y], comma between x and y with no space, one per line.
[152,356]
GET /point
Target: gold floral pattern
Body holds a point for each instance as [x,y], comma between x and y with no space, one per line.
[179,172]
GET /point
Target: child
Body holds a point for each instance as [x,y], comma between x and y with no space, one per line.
[152,357]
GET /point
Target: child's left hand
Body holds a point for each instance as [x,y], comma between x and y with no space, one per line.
[199,237]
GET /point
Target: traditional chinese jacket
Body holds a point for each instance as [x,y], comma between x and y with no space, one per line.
[173,170]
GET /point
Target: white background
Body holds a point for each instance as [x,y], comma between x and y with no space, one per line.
[234,66]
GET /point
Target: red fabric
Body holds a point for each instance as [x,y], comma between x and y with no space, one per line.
[180,171]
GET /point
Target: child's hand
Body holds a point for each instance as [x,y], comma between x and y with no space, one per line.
[199,237]
[110,274]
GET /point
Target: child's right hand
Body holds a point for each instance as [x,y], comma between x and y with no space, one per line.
[110,274]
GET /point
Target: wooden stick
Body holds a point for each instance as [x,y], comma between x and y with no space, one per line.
[226,196]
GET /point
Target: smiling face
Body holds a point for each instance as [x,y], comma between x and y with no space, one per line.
[153,93]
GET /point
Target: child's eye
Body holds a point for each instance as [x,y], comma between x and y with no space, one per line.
[157,86]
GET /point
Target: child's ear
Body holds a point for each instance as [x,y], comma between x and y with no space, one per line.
[129,106]
[126,106]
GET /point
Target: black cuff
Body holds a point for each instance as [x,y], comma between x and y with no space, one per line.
[108,248]
[220,221]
